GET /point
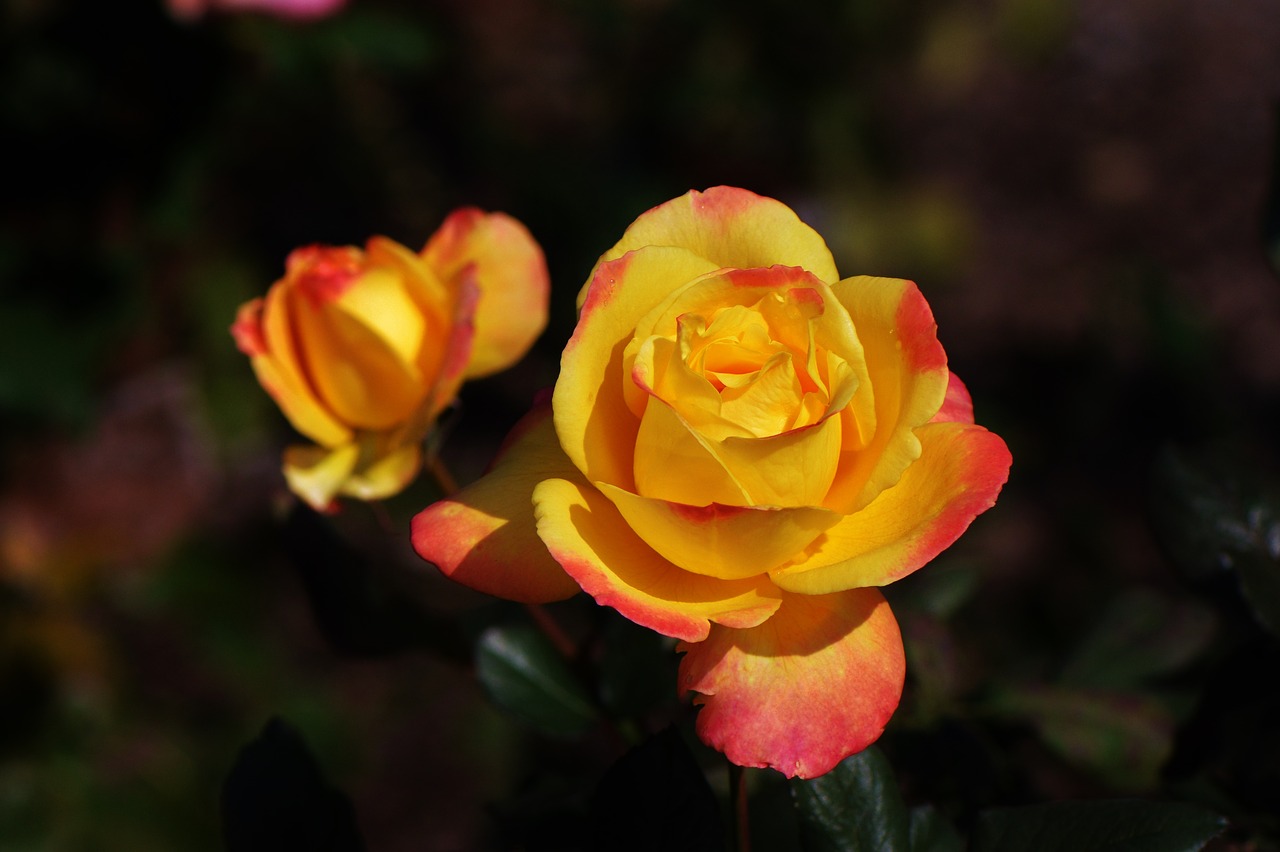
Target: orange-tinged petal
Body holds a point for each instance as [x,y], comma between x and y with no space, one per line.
[729,542]
[908,377]
[814,684]
[587,535]
[316,474]
[484,535]
[509,267]
[958,405]
[281,375]
[957,477]
[732,228]
[361,377]
[596,428]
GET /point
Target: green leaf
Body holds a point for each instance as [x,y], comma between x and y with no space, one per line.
[526,676]
[855,807]
[1212,521]
[656,798]
[637,671]
[1140,635]
[1098,826]
[1122,737]
[932,832]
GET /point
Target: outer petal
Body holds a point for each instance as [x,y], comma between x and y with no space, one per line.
[957,477]
[261,331]
[908,370]
[596,428]
[587,535]
[509,267]
[385,476]
[814,684]
[732,228]
[484,536]
[957,407]
[316,474]
[729,542]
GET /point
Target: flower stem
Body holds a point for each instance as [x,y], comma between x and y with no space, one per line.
[441,475]
[738,801]
[552,630]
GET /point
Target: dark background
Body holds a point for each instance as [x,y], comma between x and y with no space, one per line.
[1079,189]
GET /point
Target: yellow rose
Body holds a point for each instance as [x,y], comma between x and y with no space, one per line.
[362,349]
[740,448]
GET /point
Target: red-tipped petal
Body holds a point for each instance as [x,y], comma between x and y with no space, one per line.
[484,536]
[814,684]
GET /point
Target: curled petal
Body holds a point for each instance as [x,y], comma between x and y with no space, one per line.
[587,535]
[732,228]
[507,264]
[908,377]
[957,477]
[729,542]
[484,535]
[316,474]
[386,475]
[814,684]
[596,428]
[957,407]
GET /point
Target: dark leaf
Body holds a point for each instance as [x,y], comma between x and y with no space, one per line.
[656,799]
[1100,826]
[1121,737]
[525,675]
[855,807]
[932,832]
[1212,522]
[275,798]
[1141,635]
[637,670]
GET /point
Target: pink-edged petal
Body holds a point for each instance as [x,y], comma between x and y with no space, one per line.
[507,264]
[957,477]
[728,542]
[814,684]
[732,228]
[316,474]
[587,535]
[484,536]
[957,407]
[596,428]
[908,382]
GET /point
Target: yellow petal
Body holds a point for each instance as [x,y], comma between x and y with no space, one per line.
[957,477]
[728,542]
[590,539]
[316,474]
[508,265]
[361,377]
[908,375]
[731,228]
[281,375]
[596,428]
[673,462]
[432,300]
[386,475]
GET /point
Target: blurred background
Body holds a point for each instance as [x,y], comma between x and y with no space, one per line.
[1080,188]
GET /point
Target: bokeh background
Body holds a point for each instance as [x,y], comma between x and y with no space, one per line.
[1080,187]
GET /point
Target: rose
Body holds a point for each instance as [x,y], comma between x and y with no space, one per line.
[740,448]
[362,350]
